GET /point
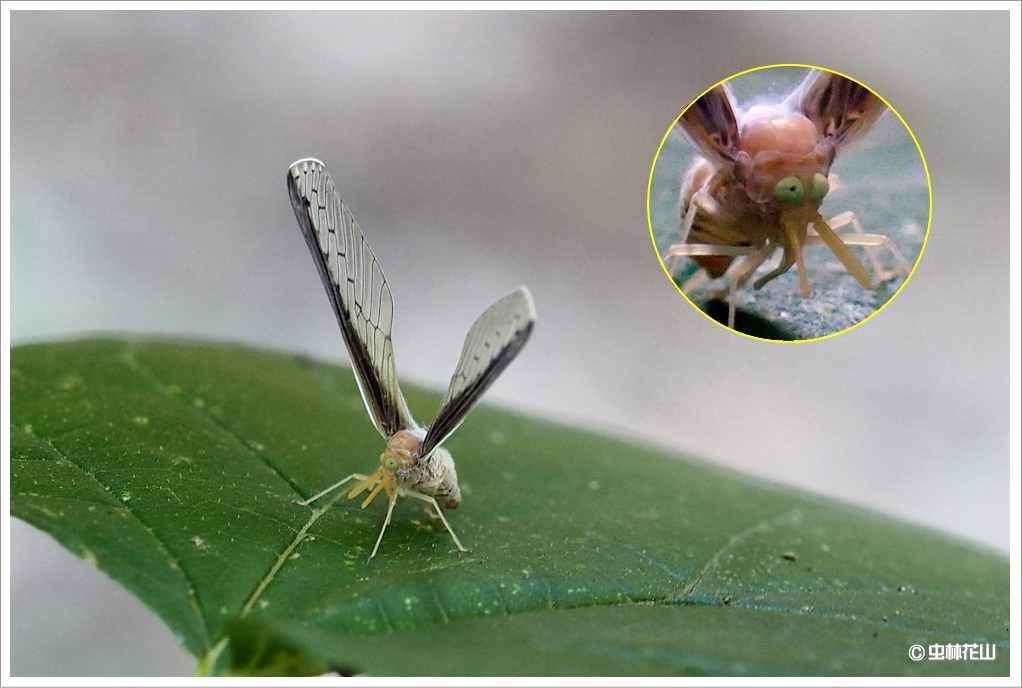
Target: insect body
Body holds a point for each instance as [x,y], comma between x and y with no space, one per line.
[761,179]
[413,463]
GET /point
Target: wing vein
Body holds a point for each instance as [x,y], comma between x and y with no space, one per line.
[357,290]
[493,341]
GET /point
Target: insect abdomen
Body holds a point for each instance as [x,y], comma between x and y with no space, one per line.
[439,480]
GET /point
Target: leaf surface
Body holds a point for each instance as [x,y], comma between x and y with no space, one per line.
[175,467]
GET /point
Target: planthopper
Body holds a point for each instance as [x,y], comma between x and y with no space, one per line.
[413,464]
[760,178]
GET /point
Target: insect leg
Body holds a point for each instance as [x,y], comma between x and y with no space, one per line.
[310,500]
[696,282]
[386,522]
[786,262]
[742,270]
[372,495]
[709,250]
[747,268]
[700,201]
[731,308]
[862,238]
[440,513]
[742,273]
[839,248]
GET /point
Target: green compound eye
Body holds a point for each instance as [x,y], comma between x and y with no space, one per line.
[390,463]
[790,190]
[820,187]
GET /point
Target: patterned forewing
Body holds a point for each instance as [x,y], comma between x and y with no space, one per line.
[492,343]
[841,109]
[357,290]
[711,125]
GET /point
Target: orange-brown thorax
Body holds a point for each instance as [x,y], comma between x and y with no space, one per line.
[403,446]
[403,468]
[775,146]
[786,132]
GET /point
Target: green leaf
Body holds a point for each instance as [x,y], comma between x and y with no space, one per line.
[174,467]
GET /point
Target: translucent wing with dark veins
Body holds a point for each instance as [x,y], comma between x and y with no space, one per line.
[841,109]
[357,289]
[491,344]
[710,125]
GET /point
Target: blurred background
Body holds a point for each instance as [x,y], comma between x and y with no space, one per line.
[480,151]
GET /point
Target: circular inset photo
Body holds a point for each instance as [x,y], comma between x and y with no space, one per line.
[789,203]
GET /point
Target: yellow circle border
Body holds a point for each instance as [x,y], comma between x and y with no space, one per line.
[922,250]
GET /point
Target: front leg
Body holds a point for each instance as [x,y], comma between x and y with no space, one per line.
[741,275]
[313,498]
[871,241]
[386,522]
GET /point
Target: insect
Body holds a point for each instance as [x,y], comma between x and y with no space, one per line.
[414,464]
[761,179]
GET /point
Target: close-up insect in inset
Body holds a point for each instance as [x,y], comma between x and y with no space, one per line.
[755,167]
[413,463]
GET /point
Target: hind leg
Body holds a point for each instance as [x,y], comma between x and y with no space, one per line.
[439,512]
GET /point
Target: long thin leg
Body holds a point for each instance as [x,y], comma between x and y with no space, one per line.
[686,227]
[372,495]
[740,271]
[386,522]
[709,250]
[440,513]
[745,270]
[700,201]
[849,218]
[310,500]
[839,248]
[696,281]
[680,250]
[786,262]
[731,307]
[870,240]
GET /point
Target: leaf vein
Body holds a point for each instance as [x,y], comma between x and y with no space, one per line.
[162,387]
[714,560]
[162,544]
[284,556]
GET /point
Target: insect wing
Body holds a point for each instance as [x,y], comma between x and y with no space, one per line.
[841,109]
[357,289]
[711,125]
[492,343]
